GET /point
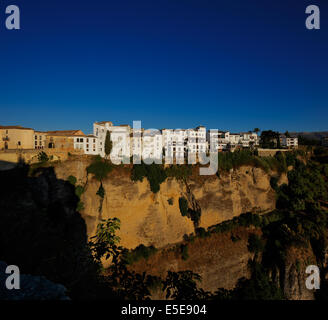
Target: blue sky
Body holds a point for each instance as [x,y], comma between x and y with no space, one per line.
[232,65]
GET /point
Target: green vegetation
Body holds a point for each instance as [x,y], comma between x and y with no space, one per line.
[99,168]
[233,160]
[154,173]
[258,287]
[201,233]
[108,144]
[255,243]
[140,252]
[270,139]
[101,191]
[183,205]
[79,190]
[184,251]
[72,180]
[105,242]
[180,172]
[245,220]
[43,157]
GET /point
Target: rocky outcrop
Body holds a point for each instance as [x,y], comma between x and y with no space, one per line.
[155,219]
[218,259]
[294,276]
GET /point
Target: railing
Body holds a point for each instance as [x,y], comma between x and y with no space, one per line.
[5,139]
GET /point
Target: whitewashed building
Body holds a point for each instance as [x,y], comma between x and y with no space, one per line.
[120,136]
[89,144]
[288,142]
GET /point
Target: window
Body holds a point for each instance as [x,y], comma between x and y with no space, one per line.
[36,137]
[87,140]
[19,143]
[36,143]
[81,140]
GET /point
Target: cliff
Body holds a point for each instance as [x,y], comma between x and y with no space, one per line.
[155,219]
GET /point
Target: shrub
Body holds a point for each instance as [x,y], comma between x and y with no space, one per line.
[140,252]
[255,243]
[184,252]
[80,206]
[101,191]
[72,180]
[99,168]
[154,173]
[179,171]
[43,157]
[79,190]
[274,183]
[183,205]
[201,232]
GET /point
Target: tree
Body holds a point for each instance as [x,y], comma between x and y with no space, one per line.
[182,285]
[287,134]
[183,205]
[270,139]
[256,130]
[108,144]
[105,242]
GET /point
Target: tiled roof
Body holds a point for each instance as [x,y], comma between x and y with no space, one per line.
[15,127]
[66,133]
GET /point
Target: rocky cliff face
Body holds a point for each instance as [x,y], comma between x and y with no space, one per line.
[155,219]
[217,259]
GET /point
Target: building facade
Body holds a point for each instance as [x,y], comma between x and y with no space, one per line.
[16,137]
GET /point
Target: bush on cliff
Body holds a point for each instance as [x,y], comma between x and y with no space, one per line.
[99,168]
[183,206]
[140,252]
[154,173]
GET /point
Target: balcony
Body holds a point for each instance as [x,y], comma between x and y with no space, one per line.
[5,139]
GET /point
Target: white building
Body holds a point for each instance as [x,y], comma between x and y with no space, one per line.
[248,139]
[288,142]
[89,144]
[174,143]
[224,140]
[152,145]
[120,136]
